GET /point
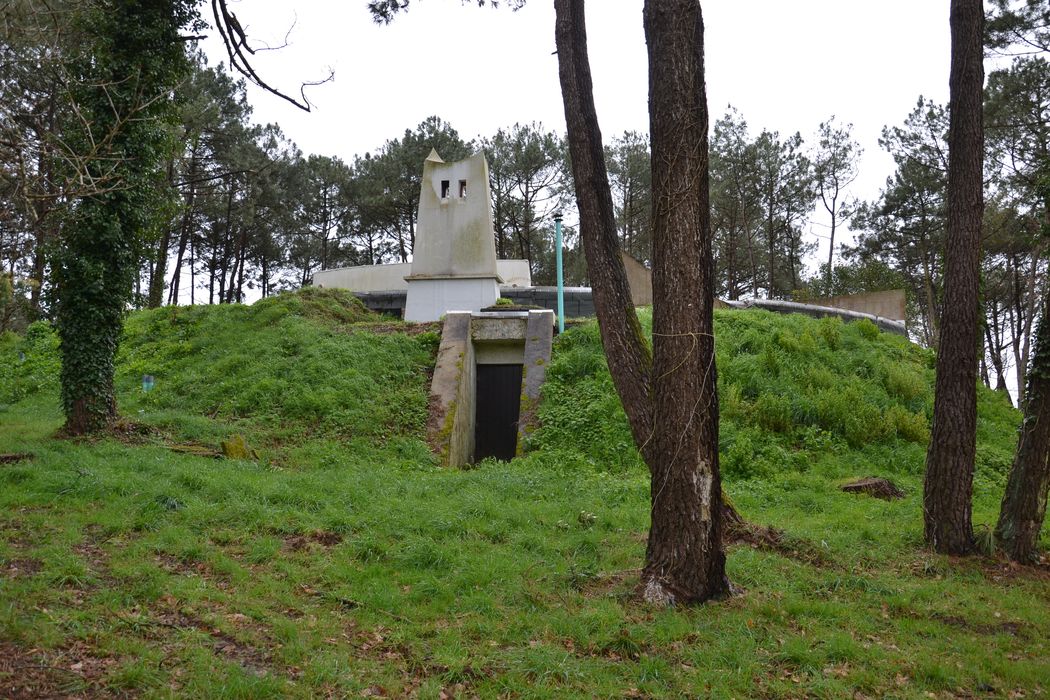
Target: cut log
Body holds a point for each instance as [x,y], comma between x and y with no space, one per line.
[874,486]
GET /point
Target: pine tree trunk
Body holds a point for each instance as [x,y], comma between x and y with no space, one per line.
[625,348]
[685,561]
[1024,503]
[159,265]
[948,487]
[671,404]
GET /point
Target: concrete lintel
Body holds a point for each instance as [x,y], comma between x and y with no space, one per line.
[497,329]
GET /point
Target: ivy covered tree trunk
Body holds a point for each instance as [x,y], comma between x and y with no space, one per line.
[671,400]
[1024,503]
[948,487]
[123,140]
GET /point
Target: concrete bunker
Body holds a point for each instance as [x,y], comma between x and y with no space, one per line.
[487,380]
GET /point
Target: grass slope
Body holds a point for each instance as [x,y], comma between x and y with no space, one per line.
[344,562]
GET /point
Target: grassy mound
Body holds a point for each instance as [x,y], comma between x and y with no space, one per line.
[303,363]
[344,563]
[795,393]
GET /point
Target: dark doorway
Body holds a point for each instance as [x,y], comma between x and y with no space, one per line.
[497,405]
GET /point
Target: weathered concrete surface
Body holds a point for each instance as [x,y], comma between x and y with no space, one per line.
[514,273]
[454,235]
[454,258]
[539,334]
[791,307]
[510,353]
[886,304]
[497,327]
[639,279]
[578,300]
[450,424]
[499,337]
[429,299]
[468,340]
[391,277]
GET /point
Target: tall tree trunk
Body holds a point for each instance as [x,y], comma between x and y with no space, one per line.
[1024,503]
[193,273]
[158,266]
[186,225]
[831,243]
[771,234]
[626,350]
[95,269]
[948,487]
[671,399]
[685,561]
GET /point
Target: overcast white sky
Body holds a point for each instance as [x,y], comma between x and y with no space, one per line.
[785,66]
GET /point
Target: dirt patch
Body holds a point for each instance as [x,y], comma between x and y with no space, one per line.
[770,539]
[990,626]
[16,568]
[195,449]
[614,584]
[999,569]
[123,430]
[253,655]
[322,538]
[91,551]
[175,565]
[1014,629]
[406,328]
[15,457]
[876,487]
[69,672]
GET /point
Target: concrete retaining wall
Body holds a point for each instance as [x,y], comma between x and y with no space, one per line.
[790,307]
[886,304]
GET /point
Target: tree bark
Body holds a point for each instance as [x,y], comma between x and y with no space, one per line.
[625,348]
[1024,503]
[671,399]
[685,561]
[948,487]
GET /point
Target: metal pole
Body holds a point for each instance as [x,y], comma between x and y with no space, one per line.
[561,282]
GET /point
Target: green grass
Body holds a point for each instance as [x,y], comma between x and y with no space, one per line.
[344,562]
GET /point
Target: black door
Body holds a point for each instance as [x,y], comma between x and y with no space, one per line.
[497,404]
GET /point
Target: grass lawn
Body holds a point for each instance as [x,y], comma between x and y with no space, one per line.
[342,562]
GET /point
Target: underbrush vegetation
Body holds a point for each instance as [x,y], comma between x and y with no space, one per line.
[343,562]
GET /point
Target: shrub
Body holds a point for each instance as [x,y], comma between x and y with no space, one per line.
[867,329]
[912,427]
[773,413]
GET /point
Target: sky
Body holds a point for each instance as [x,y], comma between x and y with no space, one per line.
[785,66]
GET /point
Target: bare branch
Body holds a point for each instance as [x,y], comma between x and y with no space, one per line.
[238,50]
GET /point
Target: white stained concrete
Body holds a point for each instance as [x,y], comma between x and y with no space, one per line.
[391,277]
[366,278]
[514,273]
[430,299]
[454,258]
[454,234]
